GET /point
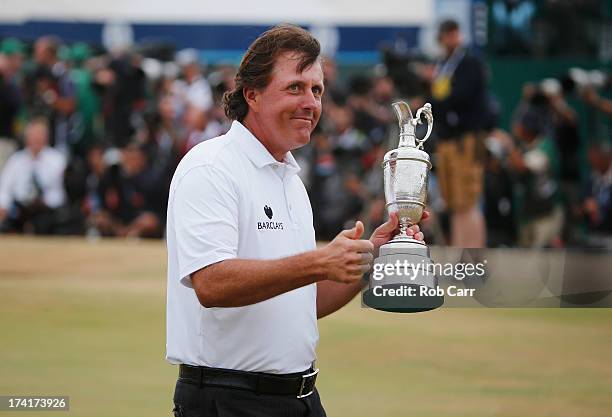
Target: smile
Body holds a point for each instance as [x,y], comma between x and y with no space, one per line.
[302,119]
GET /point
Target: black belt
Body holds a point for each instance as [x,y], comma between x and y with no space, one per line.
[300,385]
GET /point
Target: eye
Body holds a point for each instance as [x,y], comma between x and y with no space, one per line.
[294,88]
[317,91]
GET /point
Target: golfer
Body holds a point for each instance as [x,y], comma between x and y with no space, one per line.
[246,283]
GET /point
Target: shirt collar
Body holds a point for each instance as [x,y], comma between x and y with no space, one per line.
[257,153]
[38,156]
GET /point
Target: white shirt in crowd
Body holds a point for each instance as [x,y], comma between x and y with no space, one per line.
[23,173]
[196,93]
[230,198]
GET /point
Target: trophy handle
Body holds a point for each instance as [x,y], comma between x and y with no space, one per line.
[408,122]
[426,110]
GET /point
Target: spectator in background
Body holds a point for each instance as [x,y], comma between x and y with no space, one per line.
[123,85]
[350,145]
[200,126]
[12,51]
[132,201]
[349,141]
[383,93]
[195,122]
[50,92]
[11,58]
[598,203]
[193,87]
[535,162]
[334,93]
[458,100]
[88,103]
[565,129]
[31,184]
[221,80]
[92,203]
[370,117]
[164,136]
[326,189]
[197,100]
[566,134]
[499,190]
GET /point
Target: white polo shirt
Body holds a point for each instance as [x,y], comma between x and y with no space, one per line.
[230,198]
[17,178]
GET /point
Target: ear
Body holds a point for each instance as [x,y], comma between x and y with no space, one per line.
[252,97]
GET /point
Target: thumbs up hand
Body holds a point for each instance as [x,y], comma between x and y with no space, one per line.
[348,257]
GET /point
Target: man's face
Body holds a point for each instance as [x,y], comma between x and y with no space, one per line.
[133,160]
[36,137]
[42,55]
[450,40]
[288,109]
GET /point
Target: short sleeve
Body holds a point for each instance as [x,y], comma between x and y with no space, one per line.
[205,218]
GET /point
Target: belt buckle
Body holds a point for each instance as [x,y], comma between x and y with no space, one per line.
[310,386]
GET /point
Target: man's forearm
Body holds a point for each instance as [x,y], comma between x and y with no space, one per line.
[332,296]
[241,282]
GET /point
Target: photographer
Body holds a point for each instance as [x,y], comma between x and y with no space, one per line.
[50,92]
[597,206]
[31,184]
[535,163]
[565,130]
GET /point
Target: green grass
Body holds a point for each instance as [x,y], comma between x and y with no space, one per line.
[88,320]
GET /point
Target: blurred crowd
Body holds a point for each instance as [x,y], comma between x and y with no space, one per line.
[89,142]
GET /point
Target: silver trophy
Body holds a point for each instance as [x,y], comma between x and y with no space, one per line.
[405,180]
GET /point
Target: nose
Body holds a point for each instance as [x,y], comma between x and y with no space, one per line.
[309,101]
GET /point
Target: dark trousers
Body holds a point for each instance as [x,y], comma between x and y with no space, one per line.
[191,400]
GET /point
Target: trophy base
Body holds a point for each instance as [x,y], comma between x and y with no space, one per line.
[402,279]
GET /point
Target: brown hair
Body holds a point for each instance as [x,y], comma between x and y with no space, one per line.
[447,26]
[257,64]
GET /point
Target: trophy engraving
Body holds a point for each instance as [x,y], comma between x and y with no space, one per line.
[406,171]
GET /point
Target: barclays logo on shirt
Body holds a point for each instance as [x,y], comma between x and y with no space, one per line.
[268,212]
[269,225]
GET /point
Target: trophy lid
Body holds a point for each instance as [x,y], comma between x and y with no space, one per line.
[407,153]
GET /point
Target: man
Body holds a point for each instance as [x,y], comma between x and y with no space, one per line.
[246,283]
[195,100]
[459,106]
[536,165]
[50,92]
[193,88]
[597,206]
[11,58]
[32,184]
[123,86]
[131,196]
[86,97]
